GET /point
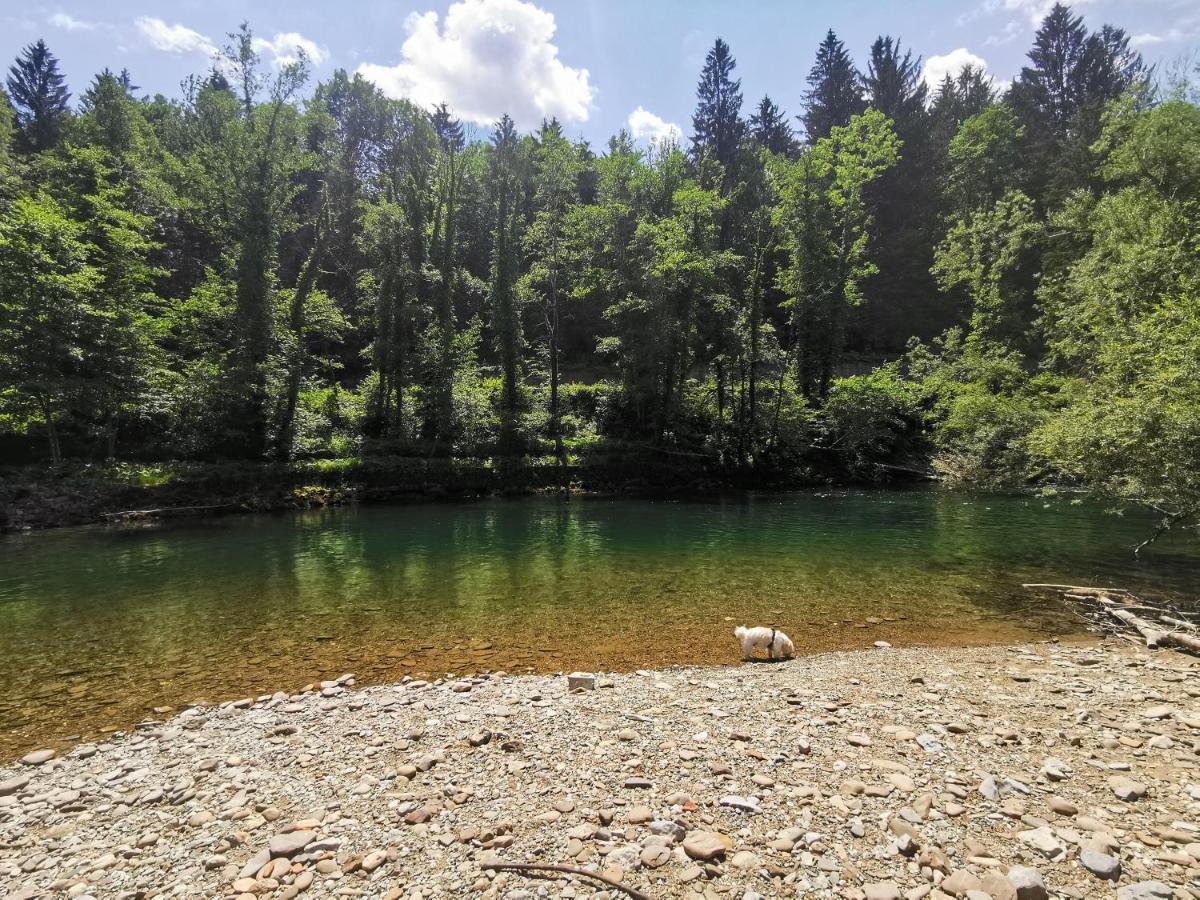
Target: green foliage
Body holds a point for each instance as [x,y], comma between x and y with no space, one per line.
[239,272]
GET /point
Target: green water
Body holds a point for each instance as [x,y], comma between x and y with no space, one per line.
[101,626]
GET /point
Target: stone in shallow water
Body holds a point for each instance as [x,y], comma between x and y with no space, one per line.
[37,757]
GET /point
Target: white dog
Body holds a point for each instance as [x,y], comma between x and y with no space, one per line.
[777,644]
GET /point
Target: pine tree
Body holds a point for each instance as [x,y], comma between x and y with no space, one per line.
[717,126]
[834,95]
[506,320]
[769,128]
[901,297]
[1060,98]
[38,92]
[894,87]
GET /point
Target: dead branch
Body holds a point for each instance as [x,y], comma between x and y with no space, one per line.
[1163,631]
[568,870]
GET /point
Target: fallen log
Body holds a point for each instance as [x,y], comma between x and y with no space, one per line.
[1170,631]
[166,512]
[568,870]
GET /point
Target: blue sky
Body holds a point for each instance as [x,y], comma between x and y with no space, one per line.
[598,65]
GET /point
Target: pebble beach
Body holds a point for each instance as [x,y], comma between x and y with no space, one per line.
[1031,771]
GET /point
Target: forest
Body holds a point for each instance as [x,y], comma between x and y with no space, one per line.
[998,287]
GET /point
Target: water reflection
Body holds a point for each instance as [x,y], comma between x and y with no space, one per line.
[100,626]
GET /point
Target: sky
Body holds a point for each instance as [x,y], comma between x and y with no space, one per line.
[598,65]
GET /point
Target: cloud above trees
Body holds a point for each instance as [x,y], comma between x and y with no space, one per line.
[645,125]
[486,58]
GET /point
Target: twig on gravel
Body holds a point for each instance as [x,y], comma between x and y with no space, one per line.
[569,870]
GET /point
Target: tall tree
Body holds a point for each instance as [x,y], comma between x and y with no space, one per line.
[39,93]
[717,126]
[769,128]
[825,219]
[502,298]
[834,94]
[1060,95]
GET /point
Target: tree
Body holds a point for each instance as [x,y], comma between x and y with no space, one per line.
[825,219]
[769,128]
[556,167]
[1123,321]
[1060,96]
[904,206]
[834,94]
[263,148]
[38,92]
[502,299]
[717,126]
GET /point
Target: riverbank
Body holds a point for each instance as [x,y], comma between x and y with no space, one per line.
[36,498]
[1035,770]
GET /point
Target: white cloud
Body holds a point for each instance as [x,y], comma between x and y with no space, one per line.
[69,23]
[938,67]
[487,58]
[286,48]
[174,38]
[644,124]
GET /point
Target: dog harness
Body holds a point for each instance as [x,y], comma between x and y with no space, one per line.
[771,646]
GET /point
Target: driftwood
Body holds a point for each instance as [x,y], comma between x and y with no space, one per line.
[1158,629]
[567,870]
[166,512]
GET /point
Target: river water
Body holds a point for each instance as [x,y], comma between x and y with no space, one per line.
[103,627]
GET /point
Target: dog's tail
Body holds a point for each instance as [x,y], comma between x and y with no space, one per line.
[739,633]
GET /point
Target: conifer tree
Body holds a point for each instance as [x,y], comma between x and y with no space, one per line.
[769,128]
[717,126]
[834,93]
[39,94]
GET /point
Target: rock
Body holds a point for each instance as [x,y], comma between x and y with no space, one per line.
[962,881]
[745,860]
[656,855]
[373,860]
[1126,788]
[1062,807]
[1043,840]
[1145,890]
[883,645]
[639,815]
[884,890]
[12,785]
[1102,865]
[1055,769]
[641,784]
[741,804]
[289,843]
[1028,883]
[581,681]
[37,757]
[628,858]
[705,846]
[997,886]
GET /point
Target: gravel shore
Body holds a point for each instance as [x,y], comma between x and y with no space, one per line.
[1043,770]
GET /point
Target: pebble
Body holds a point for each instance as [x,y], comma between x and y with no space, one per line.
[1102,865]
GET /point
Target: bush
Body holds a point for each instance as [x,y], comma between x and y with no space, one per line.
[871,419]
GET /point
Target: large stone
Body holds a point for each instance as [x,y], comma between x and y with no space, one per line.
[884,890]
[289,844]
[1028,883]
[12,785]
[581,681]
[1145,890]
[1043,840]
[37,757]
[962,881]
[1126,789]
[706,845]
[745,860]
[1102,865]
[998,887]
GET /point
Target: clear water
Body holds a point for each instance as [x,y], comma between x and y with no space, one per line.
[103,627]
